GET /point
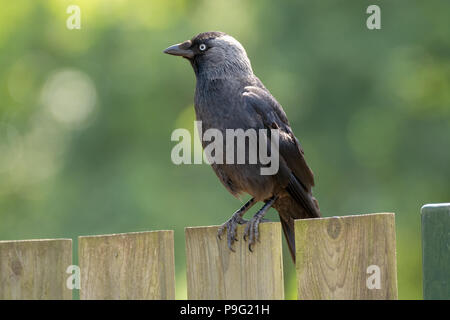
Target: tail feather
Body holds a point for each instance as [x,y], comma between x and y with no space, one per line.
[303,198]
[298,204]
[288,230]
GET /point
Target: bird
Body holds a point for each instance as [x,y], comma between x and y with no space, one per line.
[228,95]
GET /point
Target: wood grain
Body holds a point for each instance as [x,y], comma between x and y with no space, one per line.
[136,265]
[436,251]
[333,256]
[35,269]
[215,272]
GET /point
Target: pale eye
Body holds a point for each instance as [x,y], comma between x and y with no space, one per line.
[202,47]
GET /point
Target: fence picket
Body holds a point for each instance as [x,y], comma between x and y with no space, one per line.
[138,265]
[351,257]
[436,251]
[35,269]
[215,272]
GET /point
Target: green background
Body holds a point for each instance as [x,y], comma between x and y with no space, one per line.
[86,115]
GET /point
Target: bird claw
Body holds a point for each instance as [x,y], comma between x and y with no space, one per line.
[231,226]
[251,231]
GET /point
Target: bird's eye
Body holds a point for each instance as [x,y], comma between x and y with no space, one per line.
[202,47]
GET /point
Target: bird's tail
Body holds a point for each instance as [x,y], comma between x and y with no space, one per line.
[289,210]
[288,230]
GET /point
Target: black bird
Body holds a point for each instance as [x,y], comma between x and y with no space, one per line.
[229,96]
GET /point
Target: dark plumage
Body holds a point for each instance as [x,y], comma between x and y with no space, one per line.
[229,96]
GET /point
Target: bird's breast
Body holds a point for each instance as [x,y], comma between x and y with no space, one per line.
[220,104]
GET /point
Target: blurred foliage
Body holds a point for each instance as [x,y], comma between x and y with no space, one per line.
[86,115]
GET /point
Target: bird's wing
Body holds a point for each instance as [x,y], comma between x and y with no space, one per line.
[274,117]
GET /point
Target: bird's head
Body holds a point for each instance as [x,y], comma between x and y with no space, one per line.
[214,55]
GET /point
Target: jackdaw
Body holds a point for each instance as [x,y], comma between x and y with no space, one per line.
[229,96]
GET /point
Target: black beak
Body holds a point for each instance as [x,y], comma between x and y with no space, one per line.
[181,49]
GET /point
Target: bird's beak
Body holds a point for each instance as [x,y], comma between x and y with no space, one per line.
[181,49]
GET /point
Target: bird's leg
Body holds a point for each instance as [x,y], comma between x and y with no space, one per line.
[252,228]
[232,223]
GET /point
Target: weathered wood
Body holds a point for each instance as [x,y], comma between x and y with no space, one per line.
[35,269]
[215,272]
[136,265]
[436,251]
[339,257]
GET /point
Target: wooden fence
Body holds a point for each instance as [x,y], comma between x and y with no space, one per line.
[436,251]
[351,257]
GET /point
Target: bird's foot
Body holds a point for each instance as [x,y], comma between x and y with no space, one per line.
[231,226]
[232,223]
[251,231]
